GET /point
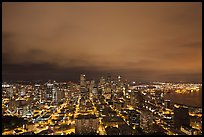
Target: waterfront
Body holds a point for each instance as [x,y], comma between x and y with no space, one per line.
[189,99]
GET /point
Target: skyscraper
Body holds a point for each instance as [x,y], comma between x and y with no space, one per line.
[49,91]
[82,80]
[134,117]
[181,116]
[83,89]
[146,121]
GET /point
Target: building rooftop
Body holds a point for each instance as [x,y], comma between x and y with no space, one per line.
[112,119]
[86,116]
[112,131]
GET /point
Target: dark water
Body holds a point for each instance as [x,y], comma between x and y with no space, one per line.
[190,99]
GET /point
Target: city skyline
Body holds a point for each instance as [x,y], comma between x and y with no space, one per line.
[107,107]
[140,41]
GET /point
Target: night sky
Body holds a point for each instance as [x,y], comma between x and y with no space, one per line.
[140,41]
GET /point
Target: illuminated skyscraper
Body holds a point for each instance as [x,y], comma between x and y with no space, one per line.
[82,80]
[134,117]
[49,91]
[83,89]
[58,95]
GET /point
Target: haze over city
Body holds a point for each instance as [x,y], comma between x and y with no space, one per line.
[140,41]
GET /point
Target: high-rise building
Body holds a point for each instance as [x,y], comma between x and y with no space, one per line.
[58,94]
[159,97]
[49,91]
[134,117]
[83,89]
[146,121]
[140,99]
[86,124]
[54,94]
[82,80]
[167,103]
[84,92]
[136,99]
[181,116]
[61,94]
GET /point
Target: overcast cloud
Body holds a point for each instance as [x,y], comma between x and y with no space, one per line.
[141,41]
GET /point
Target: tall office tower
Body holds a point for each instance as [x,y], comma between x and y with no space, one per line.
[126,86]
[134,101]
[82,80]
[101,85]
[57,94]
[167,103]
[42,95]
[49,91]
[132,98]
[181,116]
[146,121]
[86,124]
[139,99]
[134,117]
[84,95]
[54,94]
[60,94]
[159,97]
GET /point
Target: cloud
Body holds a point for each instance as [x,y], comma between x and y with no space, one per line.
[119,37]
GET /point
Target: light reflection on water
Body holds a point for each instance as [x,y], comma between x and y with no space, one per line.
[190,99]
